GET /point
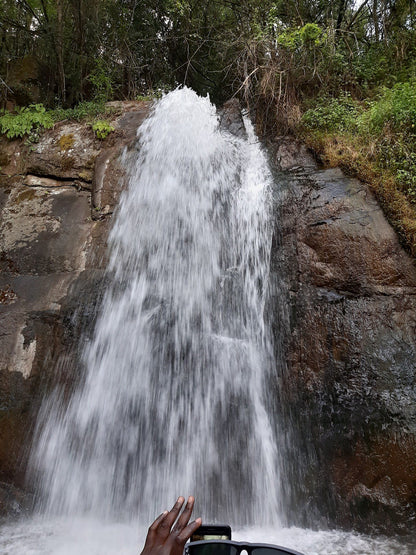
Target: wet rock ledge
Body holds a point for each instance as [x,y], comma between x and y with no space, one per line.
[55,199]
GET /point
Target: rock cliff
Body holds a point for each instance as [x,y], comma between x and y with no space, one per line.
[348,391]
[55,199]
[342,307]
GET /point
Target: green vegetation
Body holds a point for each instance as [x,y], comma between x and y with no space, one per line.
[29,121]
[340,114]
[340,73]
[151,95]
[375,140]
[84,110]
[102,128]
[25,121]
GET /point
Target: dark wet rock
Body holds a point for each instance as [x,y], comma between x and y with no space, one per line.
[341,285]
[52,260]
[14,502]
[231,119]
[349,388]
[12,158]
[292,155]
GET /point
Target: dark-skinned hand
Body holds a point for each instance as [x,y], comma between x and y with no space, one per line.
[168,533]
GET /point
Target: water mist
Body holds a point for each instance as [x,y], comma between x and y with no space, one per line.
[174,397]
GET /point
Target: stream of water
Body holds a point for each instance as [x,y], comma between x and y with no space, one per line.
[175,397]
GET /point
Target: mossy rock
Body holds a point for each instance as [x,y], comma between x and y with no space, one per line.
[25,196]
[85,175]
[66,141]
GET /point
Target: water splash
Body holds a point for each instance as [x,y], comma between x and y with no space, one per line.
[90,537]
[174,397]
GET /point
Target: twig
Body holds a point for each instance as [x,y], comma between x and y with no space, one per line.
[245,81]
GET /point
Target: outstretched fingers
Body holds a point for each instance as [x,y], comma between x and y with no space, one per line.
[167,522]
[162,538]
[186,515]
[154,526]
[187,532]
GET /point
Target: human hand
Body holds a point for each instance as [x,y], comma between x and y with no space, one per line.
[162,539]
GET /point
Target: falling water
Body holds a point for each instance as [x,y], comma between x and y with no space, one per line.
[174,398]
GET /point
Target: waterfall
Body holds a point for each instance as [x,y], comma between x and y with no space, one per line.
[175,399]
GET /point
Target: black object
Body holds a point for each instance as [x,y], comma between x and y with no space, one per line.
[227,547]
[212,532]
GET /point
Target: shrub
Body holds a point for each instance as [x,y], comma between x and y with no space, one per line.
[395,108]
[309,35]
[332,114]
[81,111]
[102,128]
[25,121]
[101,81]
[398,154]
[152,94]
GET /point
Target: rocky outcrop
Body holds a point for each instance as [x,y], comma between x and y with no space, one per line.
[349,387]
[231,119]
[342,307]
[54,199]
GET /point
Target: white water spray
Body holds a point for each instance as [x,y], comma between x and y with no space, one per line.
[174,398]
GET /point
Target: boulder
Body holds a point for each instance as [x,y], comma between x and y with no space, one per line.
[68,151]
[231,119]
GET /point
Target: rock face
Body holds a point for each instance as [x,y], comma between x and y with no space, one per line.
[342,307]
[54,198]
[349,387]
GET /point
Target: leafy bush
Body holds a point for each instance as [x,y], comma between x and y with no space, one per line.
[152,94]
[81,111]
[398,154]
[308,35]
[101,81]
[332,114]
[30,120]
[102,128]
[25,121]
[395,108]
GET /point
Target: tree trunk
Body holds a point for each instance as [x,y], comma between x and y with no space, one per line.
[341,14]
[59,48]
[375,21]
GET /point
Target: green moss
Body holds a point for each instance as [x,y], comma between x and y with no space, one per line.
[66,141]
[25,196]
[85,176]
[67,162]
